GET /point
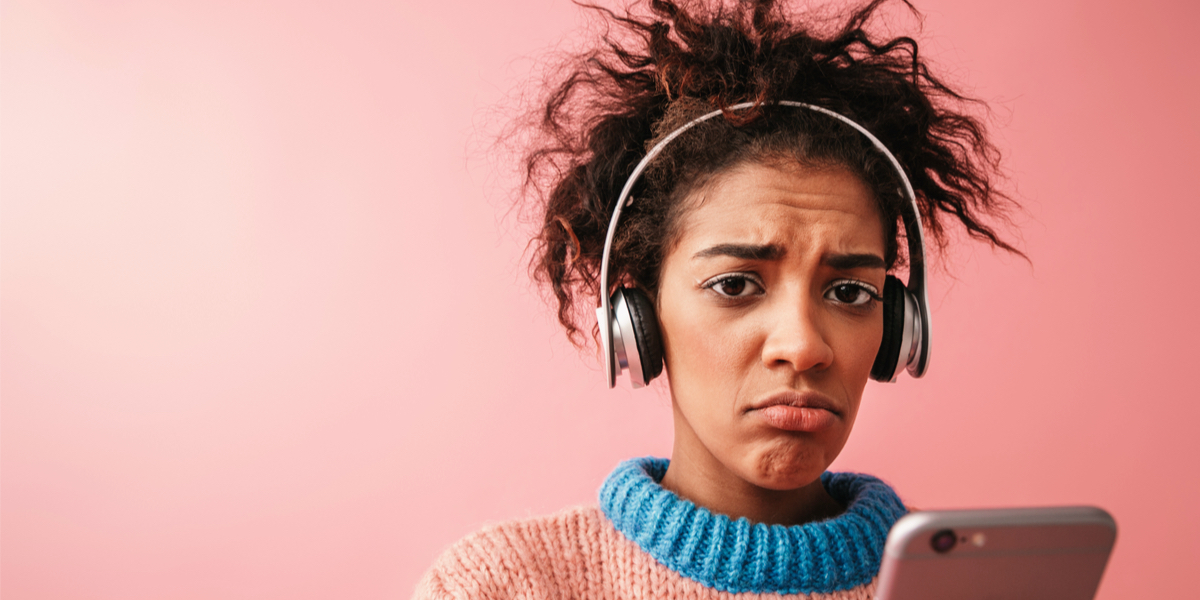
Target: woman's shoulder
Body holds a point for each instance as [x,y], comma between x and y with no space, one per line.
[520,557]
[531,534]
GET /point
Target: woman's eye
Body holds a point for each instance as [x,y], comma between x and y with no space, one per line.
[852,293]
[734,286]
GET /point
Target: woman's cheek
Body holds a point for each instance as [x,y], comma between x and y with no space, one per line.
[700,356]
[717,353]
[867,337]
[858,351]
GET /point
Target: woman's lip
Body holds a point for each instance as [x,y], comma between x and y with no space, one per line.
[797,418]
[807,399]
[797,411]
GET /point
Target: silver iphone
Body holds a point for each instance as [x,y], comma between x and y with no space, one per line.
[1054,553]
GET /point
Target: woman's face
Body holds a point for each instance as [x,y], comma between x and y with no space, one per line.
[770,307]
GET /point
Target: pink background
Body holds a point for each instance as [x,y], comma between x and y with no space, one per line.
[267,333]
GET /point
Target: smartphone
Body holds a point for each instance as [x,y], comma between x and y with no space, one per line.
[1056,553]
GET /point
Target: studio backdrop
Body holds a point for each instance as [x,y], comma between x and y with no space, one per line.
[266,328]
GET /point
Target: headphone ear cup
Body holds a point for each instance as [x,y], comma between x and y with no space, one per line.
[645,332]
[885,367]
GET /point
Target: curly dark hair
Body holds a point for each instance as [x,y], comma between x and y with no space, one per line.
[653,72]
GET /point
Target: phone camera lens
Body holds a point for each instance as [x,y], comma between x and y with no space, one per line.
[944,540]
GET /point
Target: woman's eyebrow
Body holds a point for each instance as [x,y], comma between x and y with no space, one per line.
[743,251]
[846,262]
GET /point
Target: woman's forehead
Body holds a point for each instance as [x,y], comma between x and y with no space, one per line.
[763,204]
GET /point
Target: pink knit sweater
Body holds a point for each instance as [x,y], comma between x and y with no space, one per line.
[645,542]
[574,554]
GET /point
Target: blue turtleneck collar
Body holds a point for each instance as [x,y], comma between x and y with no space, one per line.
[740,556]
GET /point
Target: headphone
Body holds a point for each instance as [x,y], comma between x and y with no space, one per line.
[629,335]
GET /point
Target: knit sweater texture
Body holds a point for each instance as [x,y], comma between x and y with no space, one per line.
[644,541]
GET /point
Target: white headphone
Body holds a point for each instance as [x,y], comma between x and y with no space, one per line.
[629,335]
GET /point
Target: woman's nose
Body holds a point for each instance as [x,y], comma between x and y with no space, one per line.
[795,338]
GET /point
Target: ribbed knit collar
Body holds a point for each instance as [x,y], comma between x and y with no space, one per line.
[740,556]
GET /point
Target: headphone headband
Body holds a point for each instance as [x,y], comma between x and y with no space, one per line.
[917,365]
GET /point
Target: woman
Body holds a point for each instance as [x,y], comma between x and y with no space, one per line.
[783,163]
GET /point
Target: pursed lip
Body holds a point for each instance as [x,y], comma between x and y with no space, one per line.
[801,412]
[806,399]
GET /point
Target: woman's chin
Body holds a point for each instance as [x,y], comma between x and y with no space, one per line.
[784,471]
